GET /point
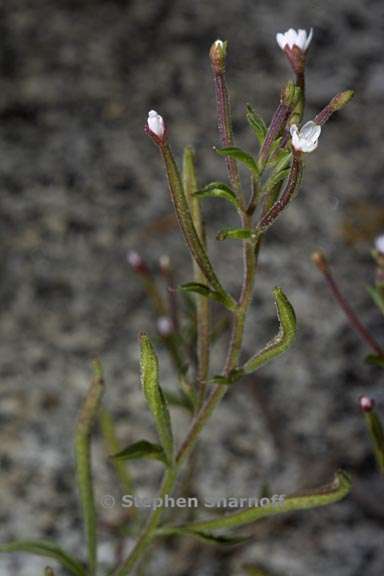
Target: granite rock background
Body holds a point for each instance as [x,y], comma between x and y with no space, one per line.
[81,185]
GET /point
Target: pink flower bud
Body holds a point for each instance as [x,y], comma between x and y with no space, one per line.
[366,403]
[136,262]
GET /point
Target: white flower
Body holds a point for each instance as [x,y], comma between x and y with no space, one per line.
[379,244]
[156,123]
[307,139]
[292,38]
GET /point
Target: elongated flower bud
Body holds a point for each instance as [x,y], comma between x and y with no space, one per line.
[337,102]
[155,127]
[217,55]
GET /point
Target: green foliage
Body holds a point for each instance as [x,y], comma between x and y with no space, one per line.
[46,550]
[332,492]
[376,432]
[257,124]
[154,396]
[141,449]
[241,156]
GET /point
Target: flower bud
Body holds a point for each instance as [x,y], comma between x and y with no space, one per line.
[319,259]
[367,404]
[164,263]
[290,95]
[136,262]
[217,55]
[155,127]
[337,102]
[165,326]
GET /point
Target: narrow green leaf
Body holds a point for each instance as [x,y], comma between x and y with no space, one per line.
[155,398]
[178,400]
[375,360]
[377,296]
[112,446]
[185,220]
[257,124]
[141,449]
[87,418]
[218,190]
[280,160]
[202,290]
[283,339]
[47,550]
[376,433]
[333,492]
[237,234]
[275,179]
[241,156]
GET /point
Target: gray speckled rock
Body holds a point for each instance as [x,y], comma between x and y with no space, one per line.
[81,184]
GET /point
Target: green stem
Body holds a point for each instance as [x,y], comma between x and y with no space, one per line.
[149,529]
[208,407]
[85,423]
[202,303]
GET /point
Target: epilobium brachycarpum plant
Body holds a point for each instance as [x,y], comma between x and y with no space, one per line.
[275,175]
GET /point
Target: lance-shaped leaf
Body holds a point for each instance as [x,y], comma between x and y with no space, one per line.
[87,418]
[241,156]
[284,338]
[191,236]
[377,296]
[278,345]
[155,398]
[202,289]
[332,492]
[112,446]
[257,124]
[275,178]
[218,190]
[181,400]
[376,433]
[141,449]
[236,234]
[46,550]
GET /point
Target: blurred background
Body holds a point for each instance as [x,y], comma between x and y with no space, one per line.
[81,185]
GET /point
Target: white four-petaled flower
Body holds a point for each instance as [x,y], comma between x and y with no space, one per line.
[291,38]
[156,123]
[307,138]
[379,244]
